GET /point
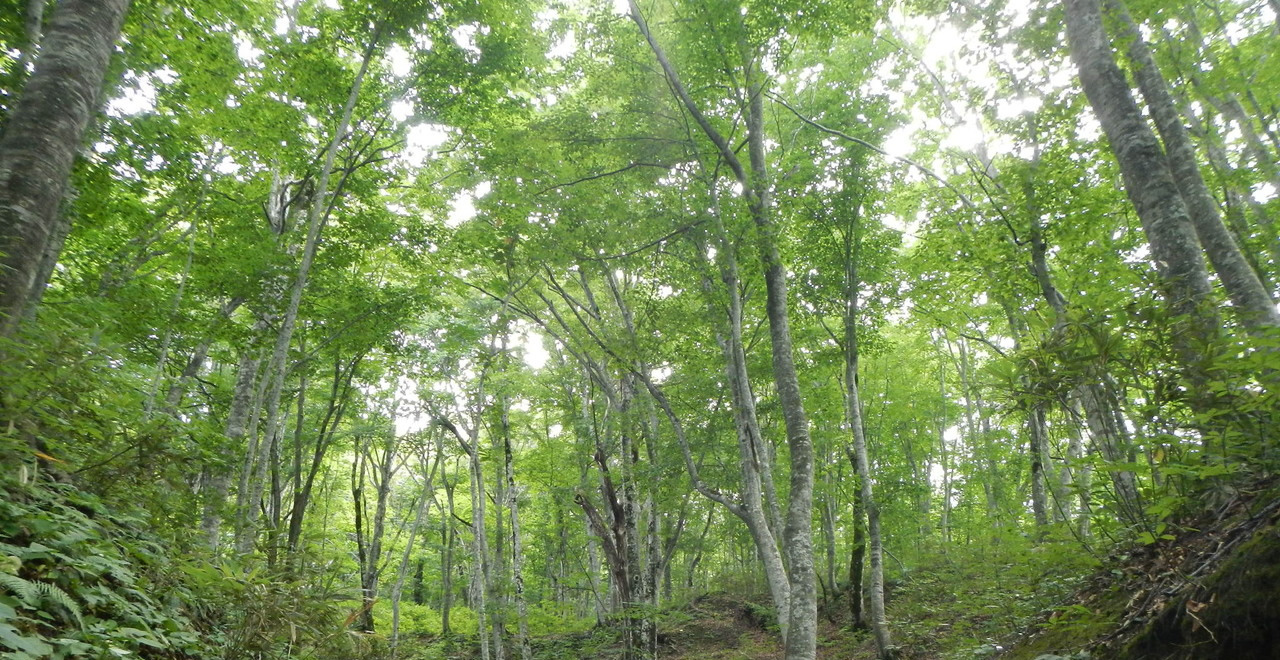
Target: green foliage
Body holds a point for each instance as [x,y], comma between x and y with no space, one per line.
[611,232]
[974,597]
[79,580]
[548,619]
[256,612]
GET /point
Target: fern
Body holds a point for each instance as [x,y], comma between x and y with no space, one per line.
[51,592]
[24,589]
[34,593]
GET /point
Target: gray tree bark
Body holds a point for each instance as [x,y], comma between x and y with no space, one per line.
[1254,305]
[517,550]
[236,428]
[802,615]
[853,410]
[448,533]
[1150,187]
[426,497]
[41,140]
[481,573]
[33,23]
[276,371]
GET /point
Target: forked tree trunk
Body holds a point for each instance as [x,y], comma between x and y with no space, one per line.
[41,138]
[426,497]
[1242,285]
[1152,190]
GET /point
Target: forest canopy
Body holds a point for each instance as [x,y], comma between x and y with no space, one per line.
[542,328]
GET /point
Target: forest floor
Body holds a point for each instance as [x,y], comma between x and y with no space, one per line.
[1208,587]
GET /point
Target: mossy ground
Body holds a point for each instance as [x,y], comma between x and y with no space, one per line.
[1211,591]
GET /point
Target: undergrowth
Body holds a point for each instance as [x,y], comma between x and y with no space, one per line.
[81,580]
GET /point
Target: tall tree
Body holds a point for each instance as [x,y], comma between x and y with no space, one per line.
[40,142]
[754,177]
[1151,188]
[1256,309]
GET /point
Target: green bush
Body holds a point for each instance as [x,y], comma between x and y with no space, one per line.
[76,581]
[556,619]
[420,620]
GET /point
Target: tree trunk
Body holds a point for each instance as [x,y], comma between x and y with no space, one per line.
[517,552]
[1152,190]
[41,138]
[857,557]
[481,579]
[801,630]
[424,507]
[1247,294]
[317,217]
[237,422]
[33,24]
[1039,454]
[446,559]
[1112,441]
[195,362]
[858,453]
[339,395]
[382,467]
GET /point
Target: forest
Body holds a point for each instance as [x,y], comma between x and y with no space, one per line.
[541,329]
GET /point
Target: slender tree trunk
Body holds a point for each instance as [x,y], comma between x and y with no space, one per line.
[446,560]
[339,395]
[1073,480]
[358,467]
[858,453]
[41,138]
[237,423]
[384,467]
[827,523]
[480,550]
[195,362]
[517,551]
[802,611]
[944,460]
[424,507]
[857,557]
[1112,441]
[1039,454]
[481,579]
[317,217]
[498,571]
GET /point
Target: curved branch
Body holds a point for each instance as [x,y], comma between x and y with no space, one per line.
[845,136]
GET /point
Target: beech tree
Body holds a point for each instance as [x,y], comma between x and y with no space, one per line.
[42,136]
